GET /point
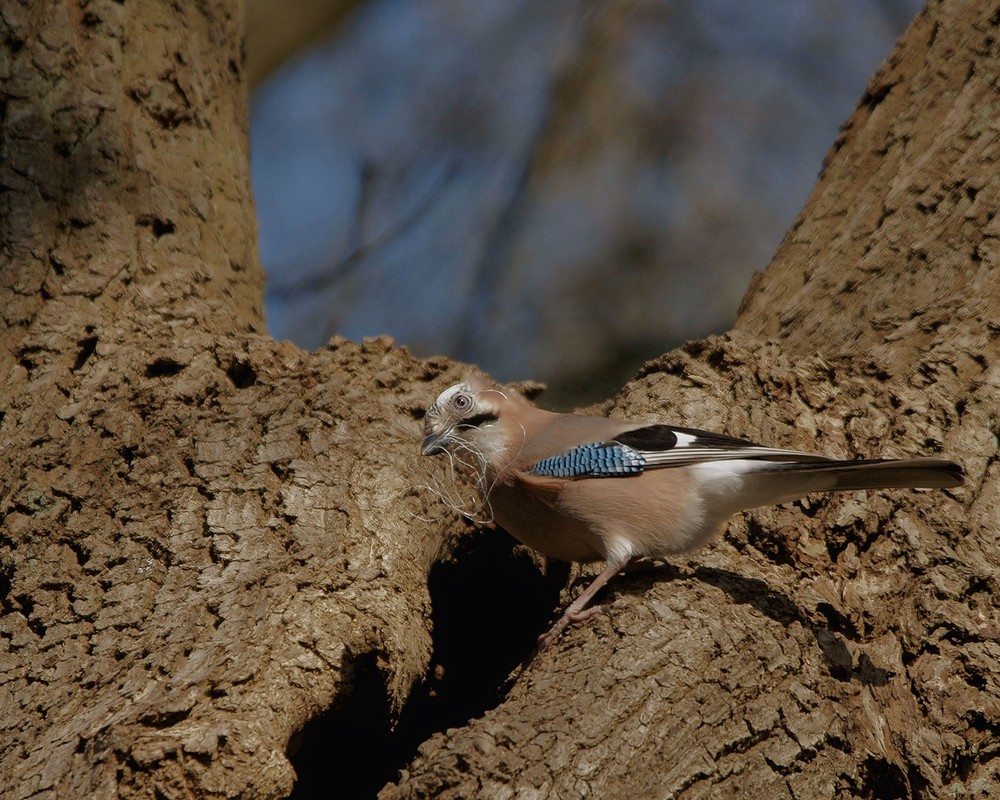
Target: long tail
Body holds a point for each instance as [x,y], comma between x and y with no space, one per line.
[911,473]
[774,482]
[730,486]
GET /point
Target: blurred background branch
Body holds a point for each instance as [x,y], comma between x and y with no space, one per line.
[276,31]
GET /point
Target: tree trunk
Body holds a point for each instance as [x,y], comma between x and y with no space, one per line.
[208,538]
[202,531]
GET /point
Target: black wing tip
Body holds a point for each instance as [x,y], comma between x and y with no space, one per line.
[651,438]
[664,437]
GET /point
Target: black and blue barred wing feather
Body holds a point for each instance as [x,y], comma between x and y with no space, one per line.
[594,460]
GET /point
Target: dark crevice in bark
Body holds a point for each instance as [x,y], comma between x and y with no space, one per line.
[87,345]
[159,227]
[882,780]
[490,605]
[163,367]
[242,373]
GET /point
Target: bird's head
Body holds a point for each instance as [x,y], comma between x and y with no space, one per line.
[465,416]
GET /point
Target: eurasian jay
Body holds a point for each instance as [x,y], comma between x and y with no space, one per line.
[583,488]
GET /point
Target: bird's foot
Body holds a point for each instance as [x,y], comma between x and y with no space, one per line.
[570,617]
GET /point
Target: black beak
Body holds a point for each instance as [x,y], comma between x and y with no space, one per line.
[433,444]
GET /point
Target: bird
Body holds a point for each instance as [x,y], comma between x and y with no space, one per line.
[589,488]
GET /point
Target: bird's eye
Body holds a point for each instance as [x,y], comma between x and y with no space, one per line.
[462,402]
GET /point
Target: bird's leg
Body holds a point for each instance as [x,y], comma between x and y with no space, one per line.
[576,612]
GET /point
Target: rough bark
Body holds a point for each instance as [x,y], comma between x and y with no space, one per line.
[208,538]
[194,555]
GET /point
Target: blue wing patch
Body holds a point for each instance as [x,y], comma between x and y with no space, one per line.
[597,460]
